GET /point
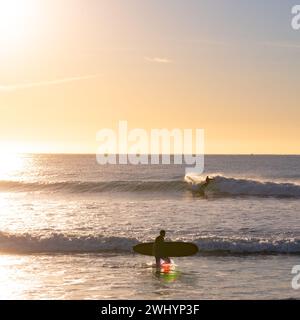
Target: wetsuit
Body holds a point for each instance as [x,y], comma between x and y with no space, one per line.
[158,249]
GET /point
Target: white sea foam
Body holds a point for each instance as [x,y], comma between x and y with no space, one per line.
[222,185]
[248,245]
[62,243]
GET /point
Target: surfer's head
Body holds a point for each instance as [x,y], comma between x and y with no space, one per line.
[162,233]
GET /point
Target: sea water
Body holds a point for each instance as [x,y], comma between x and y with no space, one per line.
[68,225]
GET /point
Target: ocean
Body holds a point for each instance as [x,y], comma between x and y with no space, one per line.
[68,225]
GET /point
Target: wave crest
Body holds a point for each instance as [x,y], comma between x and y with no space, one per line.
[62,243]
[220,186]
[246,245]
[101,186]
[227,186]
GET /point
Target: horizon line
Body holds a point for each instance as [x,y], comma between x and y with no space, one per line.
[205,154]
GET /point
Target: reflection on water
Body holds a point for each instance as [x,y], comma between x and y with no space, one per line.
[97,276]
[13,280]
[167,272]
[54,205]
[11,165]
[167,276]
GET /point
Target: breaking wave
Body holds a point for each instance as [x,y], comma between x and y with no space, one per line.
[227,186]
[62,243]
[246,245]
[220,186]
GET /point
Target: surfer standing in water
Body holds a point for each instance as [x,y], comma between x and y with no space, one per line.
[158,248]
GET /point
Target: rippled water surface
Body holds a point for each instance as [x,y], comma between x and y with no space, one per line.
[68,225]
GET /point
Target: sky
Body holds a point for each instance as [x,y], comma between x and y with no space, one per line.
[70,68]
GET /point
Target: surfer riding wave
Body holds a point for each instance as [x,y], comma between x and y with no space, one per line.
[199,187]
[207,181]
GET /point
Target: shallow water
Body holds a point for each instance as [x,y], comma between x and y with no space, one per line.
[115,276]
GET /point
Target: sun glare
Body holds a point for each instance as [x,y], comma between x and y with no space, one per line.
[16,20]
[10,164]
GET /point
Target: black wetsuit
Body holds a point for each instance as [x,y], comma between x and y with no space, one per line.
[207,181]
[158,249]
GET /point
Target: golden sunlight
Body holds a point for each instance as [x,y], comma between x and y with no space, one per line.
[16,20]
[10,163]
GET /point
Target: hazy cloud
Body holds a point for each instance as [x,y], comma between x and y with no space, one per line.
[158,60]
[281,45]
[28,85]
[208,43]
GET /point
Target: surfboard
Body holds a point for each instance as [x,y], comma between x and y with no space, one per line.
[170,249]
